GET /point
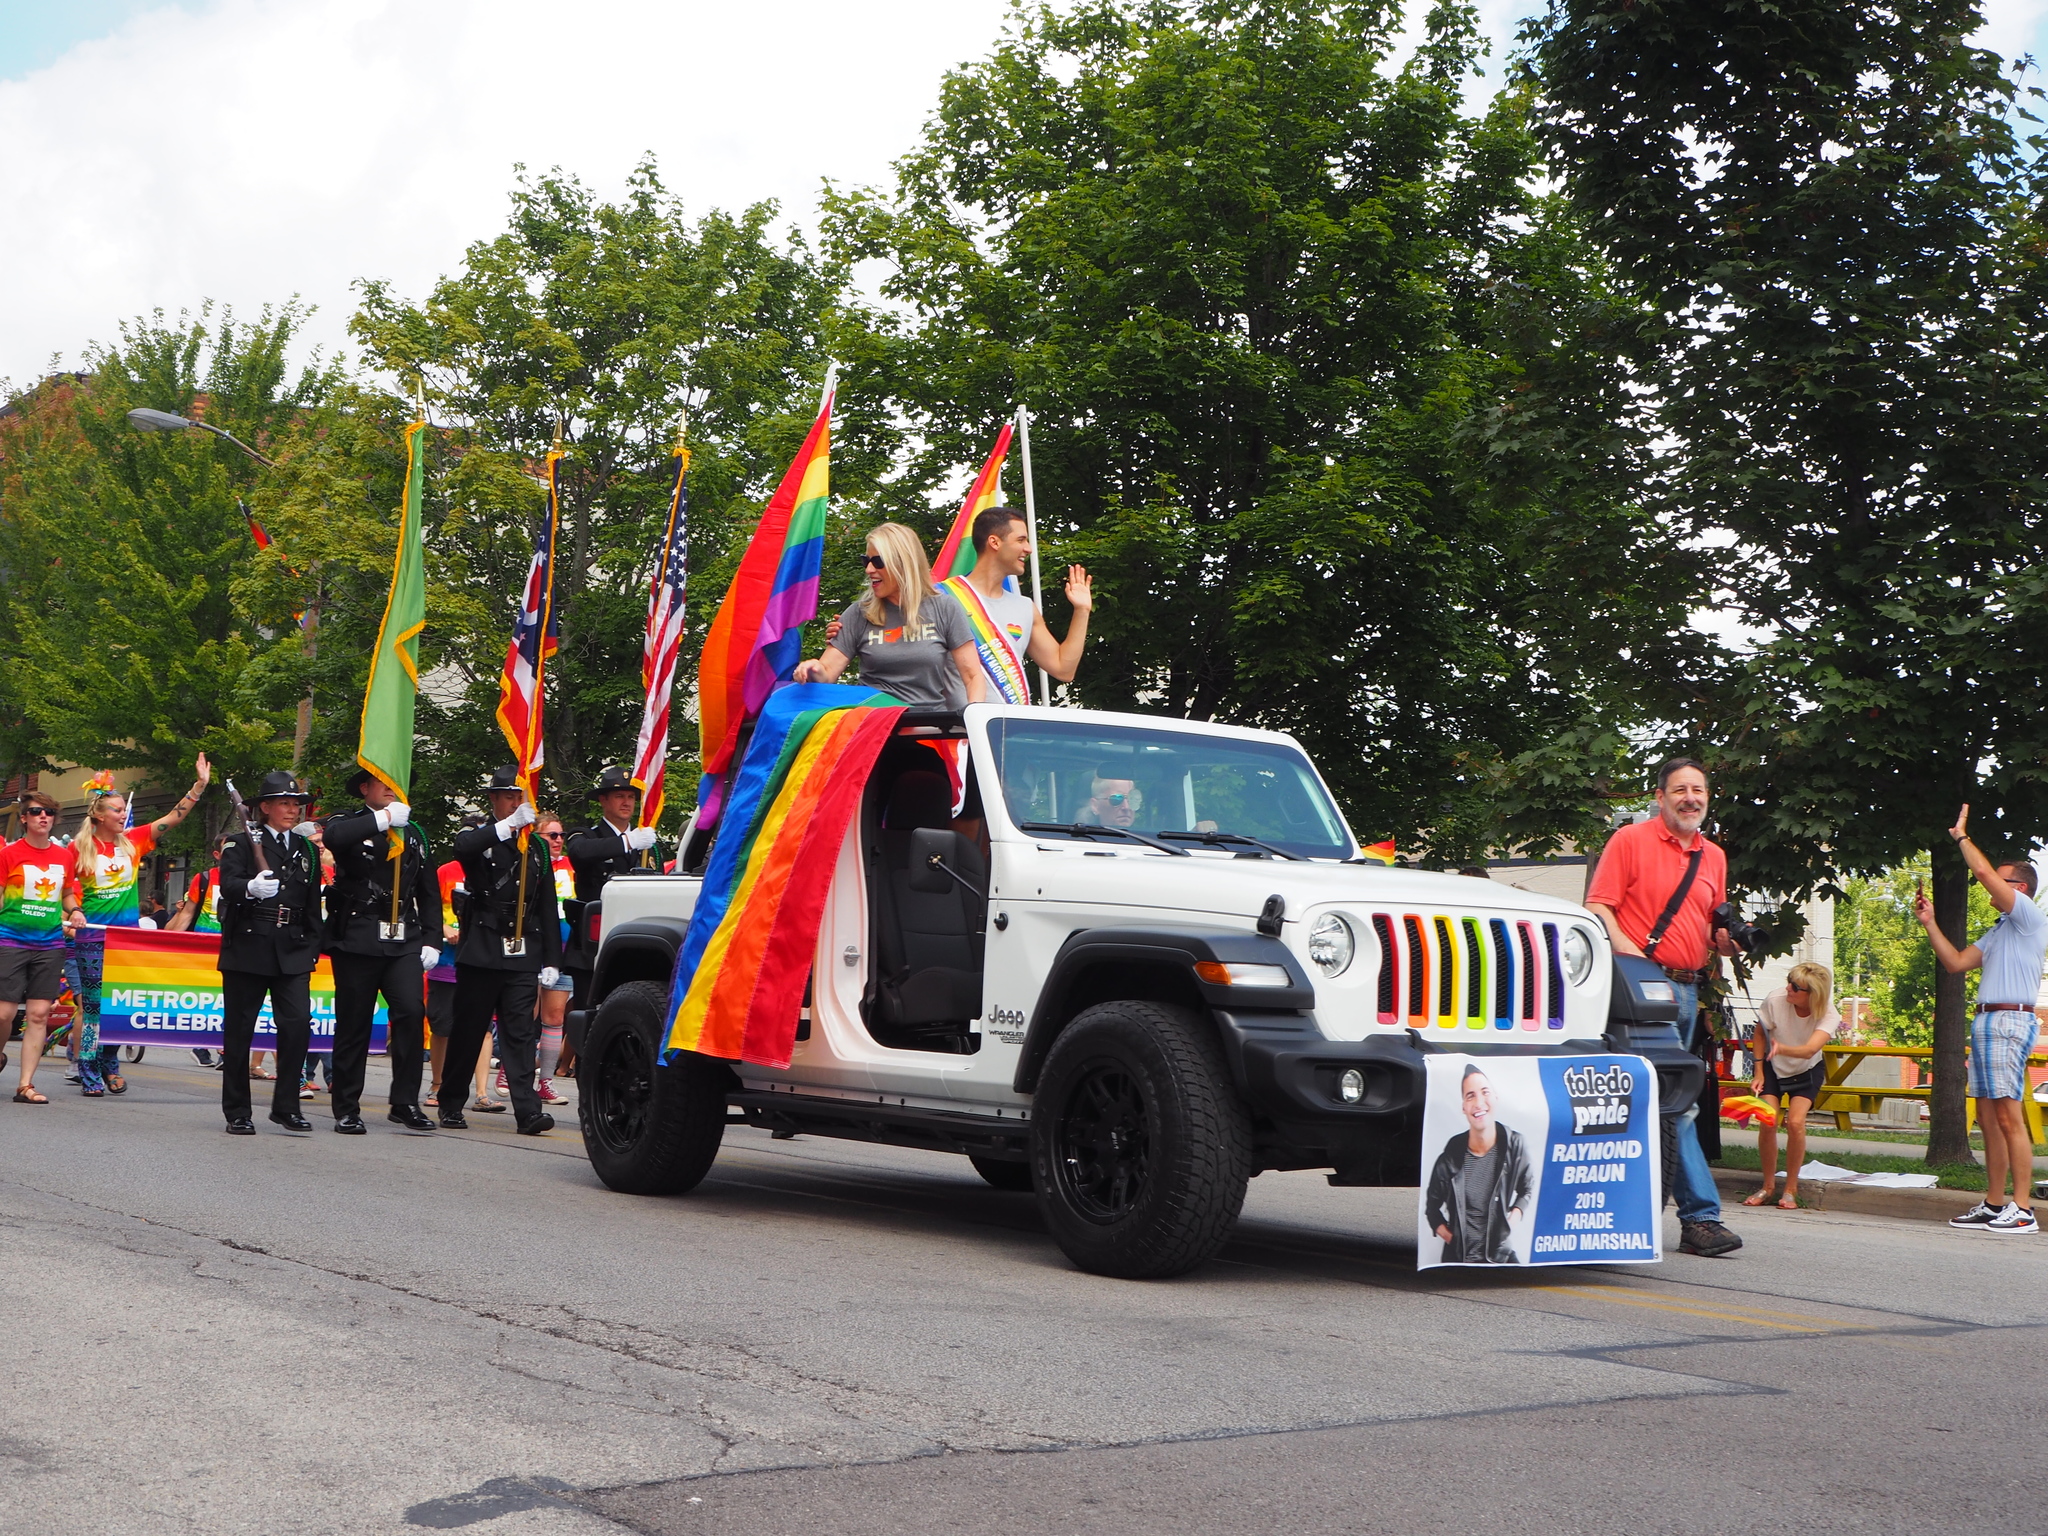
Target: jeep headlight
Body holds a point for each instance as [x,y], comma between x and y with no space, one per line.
[1331,944]
[1578,955]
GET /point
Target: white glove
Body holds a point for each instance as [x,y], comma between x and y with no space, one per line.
[396,814]
[549,975]
[429,956]
[509,827]
[639,839]
[263,886]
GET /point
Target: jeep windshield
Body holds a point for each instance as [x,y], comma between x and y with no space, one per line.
[1253,798]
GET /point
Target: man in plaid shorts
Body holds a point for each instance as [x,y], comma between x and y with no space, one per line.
[2002,1030]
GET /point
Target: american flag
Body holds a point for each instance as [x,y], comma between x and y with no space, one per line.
[534,639]
[660,647]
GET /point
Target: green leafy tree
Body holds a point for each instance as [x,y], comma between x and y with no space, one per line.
[1835,243]
[606,321]
[1328,398]
[1882,953]
[125,647]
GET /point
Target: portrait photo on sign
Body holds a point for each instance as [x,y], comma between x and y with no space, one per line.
[1539,1160]
[1482,1133]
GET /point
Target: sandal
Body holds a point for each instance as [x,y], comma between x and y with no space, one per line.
[488,1107]
[93,1093]
[1761,1197]
[432,1100]
[29,1096]
[116,1083]
[258,1075]
[1789,1201]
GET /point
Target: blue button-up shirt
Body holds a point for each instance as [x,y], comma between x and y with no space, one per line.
[2013,949]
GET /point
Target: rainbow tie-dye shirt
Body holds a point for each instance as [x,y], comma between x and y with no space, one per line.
[32,885]
[112,897]
[204,892]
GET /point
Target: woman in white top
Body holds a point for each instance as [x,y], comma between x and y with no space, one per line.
[1794,1026]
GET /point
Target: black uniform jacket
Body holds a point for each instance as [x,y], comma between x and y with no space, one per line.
[490,870]
[597,853]
[280,936]
[360,897]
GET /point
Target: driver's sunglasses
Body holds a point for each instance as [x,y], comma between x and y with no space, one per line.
[873,562]
[1134,798]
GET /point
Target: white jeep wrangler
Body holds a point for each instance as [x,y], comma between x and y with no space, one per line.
[1144,963]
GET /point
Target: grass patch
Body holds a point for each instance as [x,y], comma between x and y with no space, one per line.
[1947,1175]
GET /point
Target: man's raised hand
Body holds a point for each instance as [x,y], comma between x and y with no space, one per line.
[1961,829]
[1080,588]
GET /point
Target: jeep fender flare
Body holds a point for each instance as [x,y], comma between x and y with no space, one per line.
[642,950]
[1097,964]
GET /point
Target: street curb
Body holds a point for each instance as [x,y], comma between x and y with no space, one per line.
[1900,1204]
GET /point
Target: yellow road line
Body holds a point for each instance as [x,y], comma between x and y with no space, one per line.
[1589,1293]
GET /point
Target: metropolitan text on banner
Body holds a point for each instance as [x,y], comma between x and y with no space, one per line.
[160,988]
[1540,1160]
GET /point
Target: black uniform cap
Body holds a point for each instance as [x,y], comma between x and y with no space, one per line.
[505,778]
[612,778]
[280,785]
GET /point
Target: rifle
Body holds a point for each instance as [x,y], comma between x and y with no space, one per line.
[241,812]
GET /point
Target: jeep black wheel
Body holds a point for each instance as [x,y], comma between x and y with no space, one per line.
[1002,1173]
[1140,1147]
[648,1129]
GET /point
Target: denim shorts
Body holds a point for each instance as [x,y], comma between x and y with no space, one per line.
[1999,1045]
[562,983]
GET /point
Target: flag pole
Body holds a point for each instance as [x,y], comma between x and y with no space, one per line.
[397,854]
[1031,527]
[540,659]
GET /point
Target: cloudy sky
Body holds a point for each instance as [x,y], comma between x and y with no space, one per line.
[158,153]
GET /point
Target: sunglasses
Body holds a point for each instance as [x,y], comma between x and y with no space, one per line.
[553,837]
[1134,798]
[39,810]
[873,562]
[1793,986]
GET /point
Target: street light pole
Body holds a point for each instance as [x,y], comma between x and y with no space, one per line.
[143,419]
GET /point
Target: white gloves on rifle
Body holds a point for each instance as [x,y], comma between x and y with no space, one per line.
[509,827]
[263,886]
[639,839]
[549,975]
[429,956]
[396,814]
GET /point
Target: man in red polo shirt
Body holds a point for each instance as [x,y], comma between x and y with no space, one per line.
[1641,870]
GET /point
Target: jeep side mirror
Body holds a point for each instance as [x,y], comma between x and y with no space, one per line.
[930,848]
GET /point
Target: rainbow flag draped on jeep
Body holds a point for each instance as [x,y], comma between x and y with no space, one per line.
[739,977]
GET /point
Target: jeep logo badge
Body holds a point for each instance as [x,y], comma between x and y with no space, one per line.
[1602,1098]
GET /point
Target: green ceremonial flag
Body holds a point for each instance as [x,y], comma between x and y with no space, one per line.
[386,744]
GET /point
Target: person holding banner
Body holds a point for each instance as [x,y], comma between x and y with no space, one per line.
[269,946]
[39,911]
[511,947]
[383,935]
[109,873]
[912,638]
[1008,628]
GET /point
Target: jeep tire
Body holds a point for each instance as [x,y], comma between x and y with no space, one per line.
[1003,1173]
[649,1129]
[1140,1147]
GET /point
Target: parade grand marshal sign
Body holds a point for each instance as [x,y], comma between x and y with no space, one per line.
[160,988]
[1540,1160]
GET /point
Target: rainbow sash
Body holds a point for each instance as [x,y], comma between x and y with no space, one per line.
[998,660]
[739,980]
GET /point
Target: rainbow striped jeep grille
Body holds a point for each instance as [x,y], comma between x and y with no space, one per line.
[1444,972]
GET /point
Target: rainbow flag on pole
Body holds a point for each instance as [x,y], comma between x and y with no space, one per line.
[957,554]
[757,637]
[739,980]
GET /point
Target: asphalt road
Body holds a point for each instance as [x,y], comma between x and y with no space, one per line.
[465,1331]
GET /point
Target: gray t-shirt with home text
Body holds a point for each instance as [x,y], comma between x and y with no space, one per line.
[915,666]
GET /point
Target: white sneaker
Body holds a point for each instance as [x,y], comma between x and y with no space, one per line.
[1978,1215]
[2014,1220]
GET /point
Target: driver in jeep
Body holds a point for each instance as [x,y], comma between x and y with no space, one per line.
[1111,803]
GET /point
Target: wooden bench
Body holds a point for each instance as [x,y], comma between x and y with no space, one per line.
[1841,1099]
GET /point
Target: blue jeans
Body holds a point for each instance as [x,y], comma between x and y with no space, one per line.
[1692,1181]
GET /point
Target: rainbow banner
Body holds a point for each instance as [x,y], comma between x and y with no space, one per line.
[757,636]
[958,554]
[739,980]
[159,988]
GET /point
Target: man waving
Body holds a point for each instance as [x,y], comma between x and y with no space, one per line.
[1008,627]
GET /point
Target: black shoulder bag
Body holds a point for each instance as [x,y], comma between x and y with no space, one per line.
[1692,868]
